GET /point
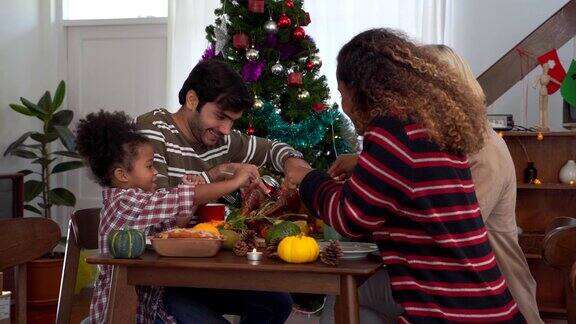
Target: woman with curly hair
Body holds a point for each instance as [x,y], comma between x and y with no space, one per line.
[412,191]
[494,178]
[121,161]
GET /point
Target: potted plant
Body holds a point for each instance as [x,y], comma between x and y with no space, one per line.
[39,195]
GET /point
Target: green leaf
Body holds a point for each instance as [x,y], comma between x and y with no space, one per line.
[33,209]
[32,146]
[17,143]
[21,109]
[66,137]
[45,103]
[59,95]
[65,166]
[43,161]
[25,172]
[37,111]
[62,118]
[25,154]
[32,188]
[68,154]
[62,197]
[44,138]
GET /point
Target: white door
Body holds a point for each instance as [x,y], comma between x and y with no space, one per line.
[120,67]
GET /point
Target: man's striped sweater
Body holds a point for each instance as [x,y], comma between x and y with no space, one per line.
[175,157]
[418,204]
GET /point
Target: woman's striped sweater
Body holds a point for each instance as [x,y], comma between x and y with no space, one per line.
[418,204]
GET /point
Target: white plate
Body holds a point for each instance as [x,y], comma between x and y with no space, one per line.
[353,250]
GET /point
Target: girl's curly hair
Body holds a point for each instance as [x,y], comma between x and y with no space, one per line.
[108,140]
[388,75]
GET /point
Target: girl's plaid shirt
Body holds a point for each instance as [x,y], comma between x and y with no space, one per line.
[148,211]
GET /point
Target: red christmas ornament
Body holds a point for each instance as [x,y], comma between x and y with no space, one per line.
[307,19]
[256,6]
[298,33]
[318,107]
[240,41]
[295,79]
[289,3]
[310,65]
[250,130]
[284,21]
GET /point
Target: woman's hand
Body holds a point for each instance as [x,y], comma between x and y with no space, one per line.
[342,168]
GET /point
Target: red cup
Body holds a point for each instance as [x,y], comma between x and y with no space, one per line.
[210,212]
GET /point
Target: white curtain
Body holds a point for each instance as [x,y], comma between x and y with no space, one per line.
[187,21]
[334,22]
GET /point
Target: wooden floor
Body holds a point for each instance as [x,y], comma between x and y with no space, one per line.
[81,309]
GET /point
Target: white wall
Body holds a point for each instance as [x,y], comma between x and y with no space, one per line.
[485,30]
[28,67]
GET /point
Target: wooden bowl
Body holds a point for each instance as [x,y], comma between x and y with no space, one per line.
[186,247]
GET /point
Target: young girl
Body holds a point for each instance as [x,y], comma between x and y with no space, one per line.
[412,190]
[121,161]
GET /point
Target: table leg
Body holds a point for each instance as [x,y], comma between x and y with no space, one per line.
[346,309]
[122,302]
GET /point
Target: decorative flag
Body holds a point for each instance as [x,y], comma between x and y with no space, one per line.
[556,70]
[568,89]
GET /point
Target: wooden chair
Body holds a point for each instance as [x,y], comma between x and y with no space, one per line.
[559,251]
[82,234]
[23,240]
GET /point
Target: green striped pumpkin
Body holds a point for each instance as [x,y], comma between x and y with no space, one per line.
[126,243]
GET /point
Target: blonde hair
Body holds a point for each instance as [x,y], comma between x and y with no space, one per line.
[447,56]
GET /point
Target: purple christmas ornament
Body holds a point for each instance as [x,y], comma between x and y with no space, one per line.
[251,71]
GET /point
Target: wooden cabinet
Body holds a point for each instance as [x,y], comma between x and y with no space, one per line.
[537,205]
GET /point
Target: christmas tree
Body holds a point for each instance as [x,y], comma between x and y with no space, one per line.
[265,41]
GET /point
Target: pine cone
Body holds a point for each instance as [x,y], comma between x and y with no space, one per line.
[249,237]
[332,253]
[241,248]
[260,243]
[272,248]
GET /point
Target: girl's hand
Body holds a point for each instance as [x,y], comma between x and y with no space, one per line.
[193,179]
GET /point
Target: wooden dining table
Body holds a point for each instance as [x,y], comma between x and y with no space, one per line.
[227,271]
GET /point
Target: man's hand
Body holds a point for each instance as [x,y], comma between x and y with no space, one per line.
[295,170]
[342,168]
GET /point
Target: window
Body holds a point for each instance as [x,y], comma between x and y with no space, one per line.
[113,9]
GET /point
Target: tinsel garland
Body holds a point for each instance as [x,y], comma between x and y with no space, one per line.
[302,135]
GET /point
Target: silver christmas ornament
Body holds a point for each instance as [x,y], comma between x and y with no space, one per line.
[303,94]
[316,61]
[271,27]
[277,68]
[252,54]
[258,103]
[302,60]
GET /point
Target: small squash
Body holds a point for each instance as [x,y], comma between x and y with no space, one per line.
[281,229]
[298,249]
[126,243]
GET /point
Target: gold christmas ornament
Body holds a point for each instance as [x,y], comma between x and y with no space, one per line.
[258,103]
[303,95]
